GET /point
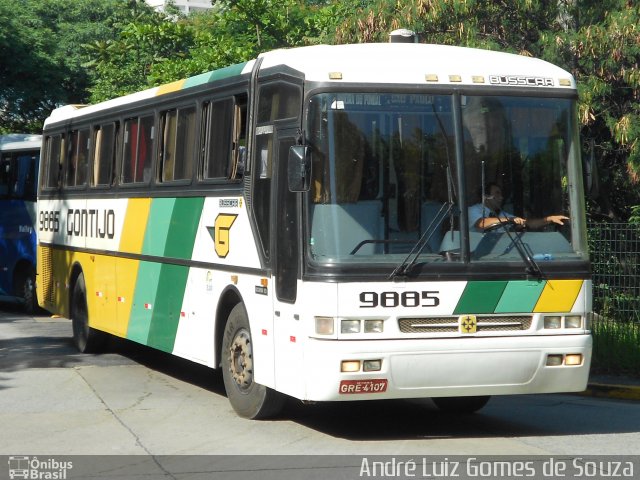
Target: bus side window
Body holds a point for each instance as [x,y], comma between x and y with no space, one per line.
[218,118]
[137,148]
[78,158]
[278,101]
[176,145]
[239,144]
[24,181]
[104,140]
[5,175]
[54,150]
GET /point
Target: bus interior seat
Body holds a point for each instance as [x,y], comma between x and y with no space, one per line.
[337,229]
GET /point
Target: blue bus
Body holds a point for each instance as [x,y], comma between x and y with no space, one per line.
[19,159]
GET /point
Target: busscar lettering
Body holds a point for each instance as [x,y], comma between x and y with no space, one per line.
[93,223]
[521,80]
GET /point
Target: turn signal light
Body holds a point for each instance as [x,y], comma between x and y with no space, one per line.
[350,366]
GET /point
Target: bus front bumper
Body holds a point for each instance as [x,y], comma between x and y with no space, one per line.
[446,367]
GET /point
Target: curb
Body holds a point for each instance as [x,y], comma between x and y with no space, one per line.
[624,392]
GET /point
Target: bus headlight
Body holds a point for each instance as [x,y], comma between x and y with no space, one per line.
[373,326]
[350,326]
[554,321]
[572,321]
[324,325]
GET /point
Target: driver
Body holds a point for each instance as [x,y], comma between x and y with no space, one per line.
[489,213]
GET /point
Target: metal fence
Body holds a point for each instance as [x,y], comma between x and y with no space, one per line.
[615,257]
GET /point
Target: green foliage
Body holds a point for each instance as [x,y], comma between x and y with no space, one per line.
[40,62]
[602,52]
[153,49]
[615,347]
[124,64]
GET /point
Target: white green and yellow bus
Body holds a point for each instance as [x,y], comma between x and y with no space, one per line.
[302,222]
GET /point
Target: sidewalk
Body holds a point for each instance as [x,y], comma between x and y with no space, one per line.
[613,386]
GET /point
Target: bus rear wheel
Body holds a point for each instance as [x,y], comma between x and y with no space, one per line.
[85,338]
[461,404]
[248,398]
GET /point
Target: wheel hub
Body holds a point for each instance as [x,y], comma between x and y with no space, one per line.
[241,360]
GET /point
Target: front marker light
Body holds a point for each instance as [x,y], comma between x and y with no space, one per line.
[572,321]
[324,325]
[350,366]
[554,360]
[350,326]
[373,326]
[553,322]
[372,365]
[573,359]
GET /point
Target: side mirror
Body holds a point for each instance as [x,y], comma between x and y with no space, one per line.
[299,168]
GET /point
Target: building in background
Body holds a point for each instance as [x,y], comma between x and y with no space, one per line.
[185,6]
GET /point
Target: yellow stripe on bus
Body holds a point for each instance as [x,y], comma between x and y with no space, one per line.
[558,296]
[127,276]
[170,87]
[135,223]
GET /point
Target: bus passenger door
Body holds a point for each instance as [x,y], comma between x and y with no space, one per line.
[288,330]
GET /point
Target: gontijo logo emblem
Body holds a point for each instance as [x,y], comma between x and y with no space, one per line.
[220,233]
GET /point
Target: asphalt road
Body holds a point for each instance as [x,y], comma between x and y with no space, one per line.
[136,401]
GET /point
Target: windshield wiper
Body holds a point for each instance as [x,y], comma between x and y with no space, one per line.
[532,267]
[445,210]
[405,267]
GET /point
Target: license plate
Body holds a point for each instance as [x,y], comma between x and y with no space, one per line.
[363,386]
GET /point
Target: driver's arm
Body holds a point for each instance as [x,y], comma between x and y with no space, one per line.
[487,222]
[536,223]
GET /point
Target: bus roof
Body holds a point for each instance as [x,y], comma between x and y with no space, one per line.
[372,63]
[19,141]
[413,63]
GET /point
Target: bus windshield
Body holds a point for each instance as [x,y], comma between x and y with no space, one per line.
[386,180]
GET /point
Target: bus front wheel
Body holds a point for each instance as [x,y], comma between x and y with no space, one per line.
[86,339]
[248,398]
[460,404]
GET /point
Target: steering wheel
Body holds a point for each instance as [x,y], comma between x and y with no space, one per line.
[508,223]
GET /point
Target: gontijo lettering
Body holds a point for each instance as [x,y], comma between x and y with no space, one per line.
[91,223]
[80,222]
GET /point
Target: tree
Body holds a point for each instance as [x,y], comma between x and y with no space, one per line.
[597,40]
[40,63]
[602,49]
[156,49]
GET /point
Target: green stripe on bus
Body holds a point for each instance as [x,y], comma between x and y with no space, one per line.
[480,297]
[158,225]
[184,225]
[167,309]
[143,302]
[520,296]
[226,72]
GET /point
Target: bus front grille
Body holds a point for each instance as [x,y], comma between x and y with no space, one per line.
[451,324]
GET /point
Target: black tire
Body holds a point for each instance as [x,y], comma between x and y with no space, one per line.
[248,398]
[27,291]
[460,404]
[85,338]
